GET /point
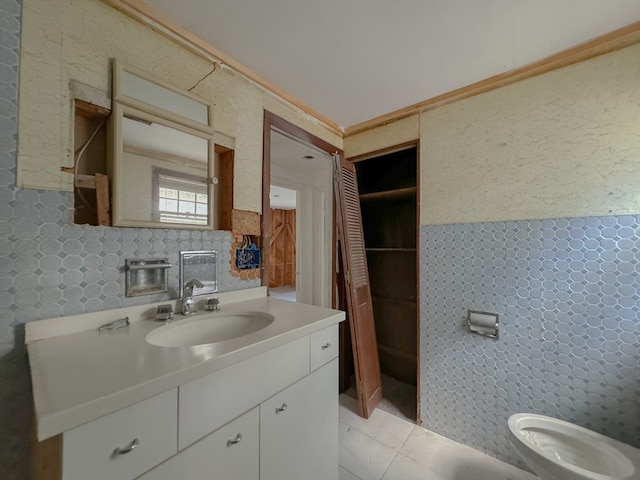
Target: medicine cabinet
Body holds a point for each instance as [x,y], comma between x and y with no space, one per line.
[161,154]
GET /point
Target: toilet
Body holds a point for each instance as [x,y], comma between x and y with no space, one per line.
[558,450]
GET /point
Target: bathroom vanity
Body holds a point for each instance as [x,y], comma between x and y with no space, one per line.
[110,405]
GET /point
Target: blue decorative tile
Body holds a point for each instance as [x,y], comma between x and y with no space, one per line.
[51,267]
[568,295]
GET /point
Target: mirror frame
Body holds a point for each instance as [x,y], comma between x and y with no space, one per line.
[119,96]
[124,104]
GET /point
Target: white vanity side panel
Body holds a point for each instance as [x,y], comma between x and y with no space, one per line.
[213,456]
[209,402]
[88,450]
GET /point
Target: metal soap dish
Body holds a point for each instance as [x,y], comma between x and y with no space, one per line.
[201,265]
[146,276]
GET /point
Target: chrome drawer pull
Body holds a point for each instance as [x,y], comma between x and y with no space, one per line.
[326,345]
[282,408]
[235,441]
[128,449]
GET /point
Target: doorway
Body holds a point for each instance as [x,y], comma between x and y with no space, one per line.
[294,160]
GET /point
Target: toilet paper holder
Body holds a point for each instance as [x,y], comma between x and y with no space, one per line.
[483,323]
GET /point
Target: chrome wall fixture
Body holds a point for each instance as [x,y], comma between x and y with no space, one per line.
[146,276]
[483,323]
[201,265]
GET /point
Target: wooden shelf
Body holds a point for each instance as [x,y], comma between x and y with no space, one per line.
[395,300]
[390,194]
[390,249]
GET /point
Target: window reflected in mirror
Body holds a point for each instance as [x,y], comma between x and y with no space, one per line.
[179,197]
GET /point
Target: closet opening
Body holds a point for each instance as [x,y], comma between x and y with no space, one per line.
[388,192]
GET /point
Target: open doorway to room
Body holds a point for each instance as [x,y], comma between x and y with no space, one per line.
[297,161]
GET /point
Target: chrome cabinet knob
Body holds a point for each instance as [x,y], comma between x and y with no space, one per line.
[282,408]
[326,345]
[234,441]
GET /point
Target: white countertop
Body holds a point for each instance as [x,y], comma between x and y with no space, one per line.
[80,376]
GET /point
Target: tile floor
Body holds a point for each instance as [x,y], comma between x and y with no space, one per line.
[400,399]
[386,447]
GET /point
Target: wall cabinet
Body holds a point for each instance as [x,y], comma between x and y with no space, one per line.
[272,416]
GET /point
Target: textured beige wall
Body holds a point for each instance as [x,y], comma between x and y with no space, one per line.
[64,40]
[395,133]
[563,144]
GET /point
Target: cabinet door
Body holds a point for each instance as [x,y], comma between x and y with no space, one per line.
[123,444]
[299,429]
[229,453]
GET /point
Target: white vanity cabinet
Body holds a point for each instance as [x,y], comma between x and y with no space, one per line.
[209,402]
[264,409]
[229,453]
[299,429]
[267,417]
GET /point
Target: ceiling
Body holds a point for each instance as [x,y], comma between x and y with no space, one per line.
[283,198]
[353,60]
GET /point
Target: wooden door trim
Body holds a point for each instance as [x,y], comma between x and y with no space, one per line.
[385,151]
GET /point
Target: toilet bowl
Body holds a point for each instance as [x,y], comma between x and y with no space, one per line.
[558,450]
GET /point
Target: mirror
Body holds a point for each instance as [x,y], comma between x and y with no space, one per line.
[162,162]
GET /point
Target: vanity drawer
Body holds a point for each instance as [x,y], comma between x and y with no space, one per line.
[150,427]
[232,452]
[209,402]
[323,346]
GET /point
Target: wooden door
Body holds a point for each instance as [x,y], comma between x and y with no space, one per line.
[282,261]
[363,332]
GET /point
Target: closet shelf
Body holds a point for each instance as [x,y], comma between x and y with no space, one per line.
[390,194]
[407,301]
[390,249]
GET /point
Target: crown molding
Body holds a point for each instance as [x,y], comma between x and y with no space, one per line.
[616,40]
[161,23]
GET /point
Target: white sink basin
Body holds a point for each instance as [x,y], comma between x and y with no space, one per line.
[203,330]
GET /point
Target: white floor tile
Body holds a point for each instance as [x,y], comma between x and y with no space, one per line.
[384,427]
[345,474]
[385,447]
[455,461]
[405,468]
[363,456]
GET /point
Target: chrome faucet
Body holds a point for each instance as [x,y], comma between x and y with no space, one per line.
[188,305]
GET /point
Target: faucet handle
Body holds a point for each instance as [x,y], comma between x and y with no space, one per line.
[213,304]
[164,313]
